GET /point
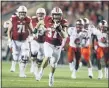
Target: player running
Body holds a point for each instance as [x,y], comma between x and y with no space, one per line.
[19,29]
[53,40]
[37,49]
[74,50]
[102,47]
[86,44]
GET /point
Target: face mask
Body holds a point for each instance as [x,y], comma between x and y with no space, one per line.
[22,15]
[56,17]
[40,16]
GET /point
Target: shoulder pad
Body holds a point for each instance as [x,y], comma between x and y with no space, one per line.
[29,17]
[33,16]
[92,26]
[13,16]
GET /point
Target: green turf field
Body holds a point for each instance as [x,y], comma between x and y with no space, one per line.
[62,78]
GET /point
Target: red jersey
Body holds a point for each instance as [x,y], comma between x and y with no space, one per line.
[41,37]
[52,36]
[20,28]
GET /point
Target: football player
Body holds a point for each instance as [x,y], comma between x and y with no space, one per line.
[53,40]
[102,47]
[19,29]
[74,50]
[86,44]
[37,50]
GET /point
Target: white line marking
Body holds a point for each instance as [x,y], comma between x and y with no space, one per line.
[59,81]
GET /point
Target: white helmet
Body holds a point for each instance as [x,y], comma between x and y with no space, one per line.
[22,11]
[86,20]
[103,26]
[103,23]
[80,21]
[41,10]
[56,13]
[41,13]
[79,24]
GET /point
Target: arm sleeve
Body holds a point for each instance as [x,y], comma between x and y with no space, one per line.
[69,31]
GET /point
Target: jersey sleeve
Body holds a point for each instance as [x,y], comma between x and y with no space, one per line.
[94,31]
[69,31]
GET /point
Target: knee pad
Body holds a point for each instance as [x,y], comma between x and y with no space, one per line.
[38,61]
[34,55]
[24,59]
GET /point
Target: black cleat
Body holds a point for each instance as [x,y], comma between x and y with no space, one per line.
[90,77]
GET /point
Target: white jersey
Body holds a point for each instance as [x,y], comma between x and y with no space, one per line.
[72,31]
[102,38]
[86,34]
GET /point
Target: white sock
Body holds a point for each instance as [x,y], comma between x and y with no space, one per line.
[13,65]
[106,72]
[32,66]
[22,67]
[90,71]
[80,64]
[36,69]
[100,74]
[51,74]
[41,69]
[71,66]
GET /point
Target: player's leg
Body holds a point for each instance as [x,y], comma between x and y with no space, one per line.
[86,55]
[48,51]
[106,59]
[15,54]
[53,63]
[39,60]
[99,53]
[34,47]
[23,59]
[71,58]
[77,57]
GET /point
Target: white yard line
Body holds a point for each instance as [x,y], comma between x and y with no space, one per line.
[73,81]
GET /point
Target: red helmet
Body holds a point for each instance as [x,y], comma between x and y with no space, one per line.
[56,14]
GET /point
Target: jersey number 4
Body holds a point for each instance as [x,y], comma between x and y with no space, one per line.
[21,28]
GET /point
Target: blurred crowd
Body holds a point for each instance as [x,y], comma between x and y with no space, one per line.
[7,7]
[95,11]
[72,10]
